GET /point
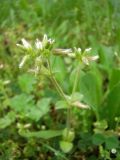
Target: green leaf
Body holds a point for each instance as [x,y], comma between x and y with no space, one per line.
[61,105]
[41,134]
[111,142]
[115,78]
[73,75]
[77,96]
[26,82]
[40,109]
[43,104]
[112,105]
[100,126]
[21,103]
[59,68]
[98,139]
[91,89]
[106,58]
[7,120]
[85,141]
[25,105]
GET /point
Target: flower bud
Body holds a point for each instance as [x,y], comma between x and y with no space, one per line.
[68,135]
[66,146]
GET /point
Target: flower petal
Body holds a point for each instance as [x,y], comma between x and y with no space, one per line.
[26,44]
[38,44]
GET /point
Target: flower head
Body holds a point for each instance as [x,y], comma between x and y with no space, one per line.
[47,42]
[25,44]
[38,44]
[77,50]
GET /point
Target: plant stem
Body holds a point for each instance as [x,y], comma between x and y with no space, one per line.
[76,80]
[69,113]
[56,152]
[68,121]
[61,93]
[55,83]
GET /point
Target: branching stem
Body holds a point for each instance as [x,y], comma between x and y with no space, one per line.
[61,92]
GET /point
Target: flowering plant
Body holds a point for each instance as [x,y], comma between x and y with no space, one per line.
[40,55]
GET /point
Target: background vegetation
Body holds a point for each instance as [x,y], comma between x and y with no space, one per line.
[72,23]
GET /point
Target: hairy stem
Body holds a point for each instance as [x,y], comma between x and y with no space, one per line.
[62,94]
[55,83]
[69,112]
[76,80]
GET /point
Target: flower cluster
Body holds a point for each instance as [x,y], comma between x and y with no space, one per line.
[39,45]
[77,53]
[43,49]
[84,56]
[38,51]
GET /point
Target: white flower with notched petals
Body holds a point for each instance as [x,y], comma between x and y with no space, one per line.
[38,44]
[25,44]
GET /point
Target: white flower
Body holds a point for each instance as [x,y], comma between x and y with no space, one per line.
[38,44]
[45,38]
[66,51]
[63,50]
[85,60]
[93,58]
[81,105]
[46,41]
[25,45]
[79,50]
[51,41]
[88,49]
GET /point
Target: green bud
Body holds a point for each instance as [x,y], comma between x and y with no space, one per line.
[68,135]
[66,146]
